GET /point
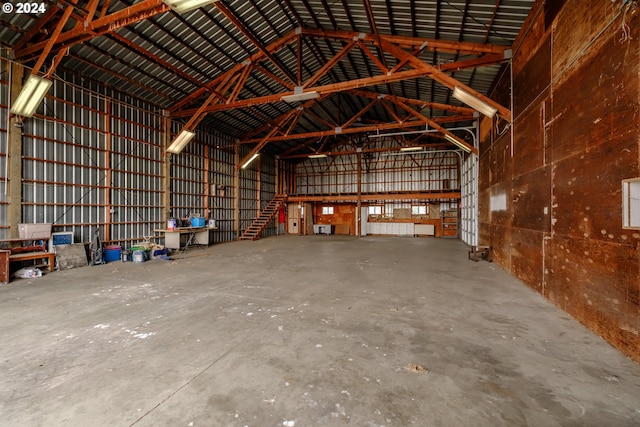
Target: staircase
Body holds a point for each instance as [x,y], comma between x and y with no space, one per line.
[254,231]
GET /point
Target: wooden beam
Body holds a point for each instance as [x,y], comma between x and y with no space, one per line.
[35,28]
[362,129]
[444,78]
[106,24]
[369,197]
[409,42]
[253,59]
[52,40]
[327,89]
[228,13]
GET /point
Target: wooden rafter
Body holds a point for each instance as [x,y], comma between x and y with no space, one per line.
[230,15]
[37,27]
[96,27]
[491,54]
[362,129]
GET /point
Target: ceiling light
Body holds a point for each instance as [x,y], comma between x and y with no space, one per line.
[181,141]
[410,148]
[474,102]
[317,156]
[181,6]
[454,140]
[31,96]
[248,162]
[300,95]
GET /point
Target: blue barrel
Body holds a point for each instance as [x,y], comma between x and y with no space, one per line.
[112,253]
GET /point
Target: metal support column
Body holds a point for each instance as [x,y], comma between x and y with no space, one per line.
[166,167]
[14,151]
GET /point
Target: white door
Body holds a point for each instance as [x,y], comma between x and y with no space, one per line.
[364,220]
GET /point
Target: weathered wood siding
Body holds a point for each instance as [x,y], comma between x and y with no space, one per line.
[575,138]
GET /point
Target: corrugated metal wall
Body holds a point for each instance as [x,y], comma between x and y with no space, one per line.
[268,190]
[64,178]
[221,190]
[469,208]
[188,178]
[257,188]
[93,159]
[384,172]
[92,163]
[136,177]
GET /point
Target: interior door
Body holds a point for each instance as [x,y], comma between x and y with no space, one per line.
[293,220]
[364,220]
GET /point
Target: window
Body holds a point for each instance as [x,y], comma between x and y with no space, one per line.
[327,210]
[375,210]
[631,203]
[419,210]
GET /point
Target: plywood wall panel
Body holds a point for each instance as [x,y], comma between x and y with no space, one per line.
[529,146]
[599,104]
[597,287]
[577,24]
[587,192]
[501,165]
[532,35]
[531,201]
[533,79]
[526,257]
[343,213]
[573,146]
[484,206]
[500,204]
[500,241]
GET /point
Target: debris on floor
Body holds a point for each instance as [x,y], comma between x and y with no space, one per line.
[416,369]
[28,273]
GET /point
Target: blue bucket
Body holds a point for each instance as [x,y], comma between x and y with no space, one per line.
[197,222]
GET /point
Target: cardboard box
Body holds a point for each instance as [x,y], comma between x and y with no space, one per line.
[34,231]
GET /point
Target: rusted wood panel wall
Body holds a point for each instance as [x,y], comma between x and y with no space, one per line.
[575,138]
[343,213]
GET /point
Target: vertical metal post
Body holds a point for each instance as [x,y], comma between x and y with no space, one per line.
[166,167]
[236,191]
[14,152]
[107,170]
[359,202]
[207,182]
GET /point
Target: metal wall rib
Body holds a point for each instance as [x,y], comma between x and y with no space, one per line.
[95,161]
[385,172]
[4,158]
[469,208]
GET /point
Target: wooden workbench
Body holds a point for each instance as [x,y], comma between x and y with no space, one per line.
[191,236]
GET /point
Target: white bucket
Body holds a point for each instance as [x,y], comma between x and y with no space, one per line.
[139,256]
[171,224]
[212,223]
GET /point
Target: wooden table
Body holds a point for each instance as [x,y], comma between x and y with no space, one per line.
[18,252]
[4,266]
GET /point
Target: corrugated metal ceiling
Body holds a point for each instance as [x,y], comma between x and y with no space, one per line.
[165,58]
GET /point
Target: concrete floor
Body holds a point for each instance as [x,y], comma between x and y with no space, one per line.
[303,331]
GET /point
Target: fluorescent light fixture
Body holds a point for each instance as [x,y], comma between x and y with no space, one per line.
[317,156]
[181,6]
[181,141]
[248,162]
[473,102]
[30,96]
[457,143]
[300,95]
[410,148]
